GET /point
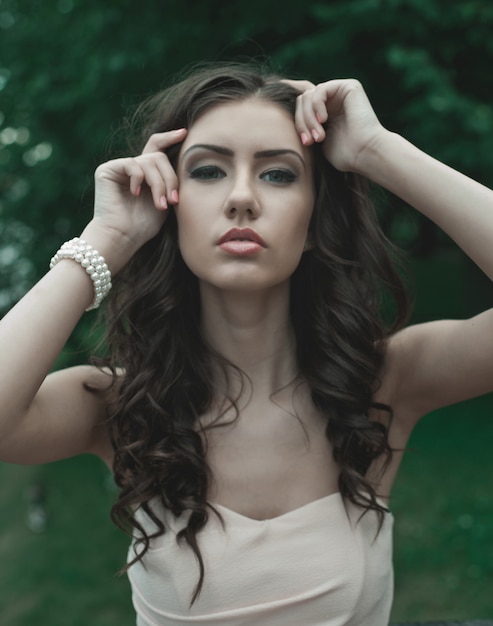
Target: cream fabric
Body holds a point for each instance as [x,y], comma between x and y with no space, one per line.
[314,566]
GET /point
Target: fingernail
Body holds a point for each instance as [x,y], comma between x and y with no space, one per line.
[174,196]
[163,202]
[180,130]
[315,135]
[318,118]
[304,139]
[138,190]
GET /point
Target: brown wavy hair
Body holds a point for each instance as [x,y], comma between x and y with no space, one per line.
[338,294]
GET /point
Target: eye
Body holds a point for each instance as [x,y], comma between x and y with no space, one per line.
[207,172]
[279,176]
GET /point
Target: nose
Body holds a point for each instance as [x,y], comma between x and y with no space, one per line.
[242,199]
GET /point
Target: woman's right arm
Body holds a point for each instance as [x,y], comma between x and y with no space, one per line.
[47,417]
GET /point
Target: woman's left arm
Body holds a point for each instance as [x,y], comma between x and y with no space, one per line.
[462,207]
[438,363]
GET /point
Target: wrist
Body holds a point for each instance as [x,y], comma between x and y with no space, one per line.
[373,159]
[93,263]
[116,247]
[397,165]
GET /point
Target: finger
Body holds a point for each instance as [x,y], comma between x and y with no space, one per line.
[309,128]
[158,142]
[125,172]
[157,176]
[299,85]
[168,176]
[320,106]
[336,91]
[135,175]
[314,111]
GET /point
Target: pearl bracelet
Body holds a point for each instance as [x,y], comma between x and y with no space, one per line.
[94,264]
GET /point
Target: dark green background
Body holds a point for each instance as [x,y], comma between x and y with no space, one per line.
[69,70]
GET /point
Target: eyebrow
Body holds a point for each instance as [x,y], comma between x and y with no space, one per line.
[261,154]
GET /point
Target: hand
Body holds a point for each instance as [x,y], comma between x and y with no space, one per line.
[133,194]
[339,115]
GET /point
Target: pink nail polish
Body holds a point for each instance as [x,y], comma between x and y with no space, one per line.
[318,118]
[174,196]
[304,139]
[163,202]
[315,135]
[138,190]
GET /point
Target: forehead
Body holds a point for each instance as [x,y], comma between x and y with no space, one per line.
[252,121]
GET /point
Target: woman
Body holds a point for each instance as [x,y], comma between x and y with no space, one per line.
[253,394]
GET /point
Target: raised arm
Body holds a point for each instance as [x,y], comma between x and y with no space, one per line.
[46,417]
[439,363]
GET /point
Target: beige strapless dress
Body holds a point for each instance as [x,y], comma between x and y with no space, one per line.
[318,565]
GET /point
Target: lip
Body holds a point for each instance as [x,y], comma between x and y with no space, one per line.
[241,242]
[242,235]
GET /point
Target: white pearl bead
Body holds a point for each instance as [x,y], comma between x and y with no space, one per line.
[93,263]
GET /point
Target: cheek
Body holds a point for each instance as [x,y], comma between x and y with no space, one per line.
[294,234]
[191,219]
[193,237]
[299,223]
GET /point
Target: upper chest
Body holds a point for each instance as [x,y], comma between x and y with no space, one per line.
[270,460]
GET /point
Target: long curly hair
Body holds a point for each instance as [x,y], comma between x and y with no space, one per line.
[340,298]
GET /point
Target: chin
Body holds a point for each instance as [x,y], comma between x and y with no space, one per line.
[244,276]
[243,282]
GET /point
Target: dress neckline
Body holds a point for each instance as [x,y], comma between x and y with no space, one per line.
[295,511]
[336,495]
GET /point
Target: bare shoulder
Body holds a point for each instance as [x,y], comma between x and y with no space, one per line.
[435,364]
[67,417]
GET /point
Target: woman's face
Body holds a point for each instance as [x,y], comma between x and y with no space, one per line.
[246,196]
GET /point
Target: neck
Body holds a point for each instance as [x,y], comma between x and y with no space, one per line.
[253,331]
